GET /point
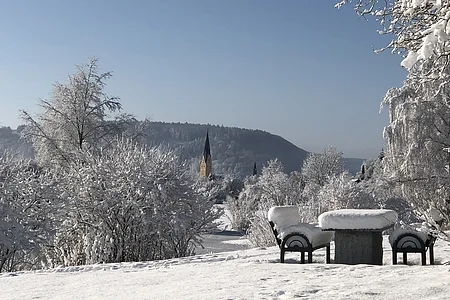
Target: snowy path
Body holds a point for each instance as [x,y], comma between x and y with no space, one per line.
[246,274]
[222,242]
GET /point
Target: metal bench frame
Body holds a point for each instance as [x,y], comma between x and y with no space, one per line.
[414,245]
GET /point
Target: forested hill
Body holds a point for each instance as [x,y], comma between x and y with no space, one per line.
[234,150]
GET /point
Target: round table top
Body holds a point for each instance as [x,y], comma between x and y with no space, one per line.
[357,219]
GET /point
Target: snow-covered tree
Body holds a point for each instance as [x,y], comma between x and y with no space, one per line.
[342,192]
[418,134]
[420,30]
[216,189]
[273,187]
[243,207]
[419,130]
[79,116]
[129,204]
[318,167]
[28,212]
[212,190]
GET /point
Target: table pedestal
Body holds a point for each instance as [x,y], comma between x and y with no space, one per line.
[358,247]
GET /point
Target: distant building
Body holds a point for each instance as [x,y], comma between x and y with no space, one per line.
[206,161]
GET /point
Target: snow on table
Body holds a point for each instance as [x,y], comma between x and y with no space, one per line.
[357,219]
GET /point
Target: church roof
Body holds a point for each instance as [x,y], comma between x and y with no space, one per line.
[207,150]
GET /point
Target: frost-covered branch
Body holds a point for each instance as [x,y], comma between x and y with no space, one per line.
[29,205]
[416,136]
[420,30]
[125,198]
[79,116]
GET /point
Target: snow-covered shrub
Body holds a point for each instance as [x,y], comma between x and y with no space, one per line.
[129,204]
[28,207]
[406,213]
[217,188]
[316,172]
[243,207]
[260,233]
[343,192]
[319,167]
[273,188]
[310,195]
[211,190]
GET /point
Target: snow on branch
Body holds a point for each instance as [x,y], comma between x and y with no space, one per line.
[420,29]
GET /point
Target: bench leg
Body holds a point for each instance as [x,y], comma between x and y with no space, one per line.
[310,256]
[302,257]
[424,257]
[405,258]
[282,256]
[394,257]
[327,255]
[431,255]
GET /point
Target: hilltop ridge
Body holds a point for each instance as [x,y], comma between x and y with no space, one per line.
[234,150]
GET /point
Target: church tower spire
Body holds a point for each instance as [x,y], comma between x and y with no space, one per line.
[206,161]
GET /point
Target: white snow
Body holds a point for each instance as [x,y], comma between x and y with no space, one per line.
[283,216]
[313,233]
[410,60]
[357,219]
[246,274]
[243,241]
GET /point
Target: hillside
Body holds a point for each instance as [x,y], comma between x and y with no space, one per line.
[234,150]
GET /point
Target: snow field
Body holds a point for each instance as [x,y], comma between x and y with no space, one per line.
[247,274]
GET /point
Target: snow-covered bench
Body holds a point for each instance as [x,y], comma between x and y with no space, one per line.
[411,241]
[293,236]
[416,239]
[358,234]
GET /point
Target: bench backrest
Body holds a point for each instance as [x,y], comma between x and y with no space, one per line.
[408,241]
[283,216]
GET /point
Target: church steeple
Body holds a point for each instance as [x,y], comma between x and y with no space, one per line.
[206,162]
[207,149]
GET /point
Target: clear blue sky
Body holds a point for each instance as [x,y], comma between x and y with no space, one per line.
[300,69]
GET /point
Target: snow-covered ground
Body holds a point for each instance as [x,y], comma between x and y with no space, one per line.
[245,274]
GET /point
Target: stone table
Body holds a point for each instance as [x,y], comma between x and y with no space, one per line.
[358,234]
